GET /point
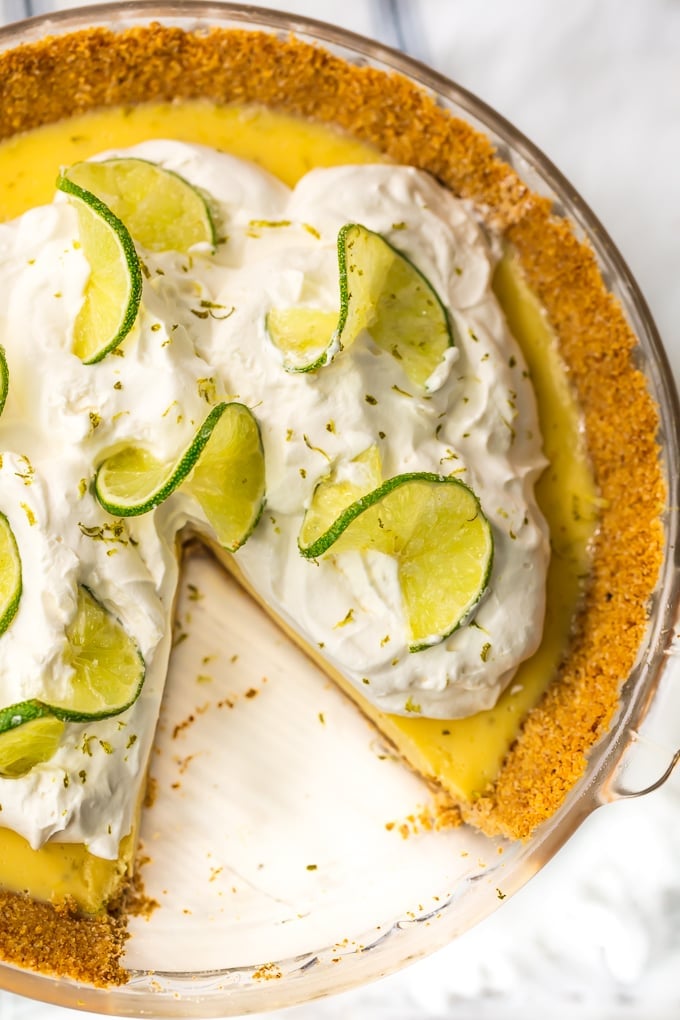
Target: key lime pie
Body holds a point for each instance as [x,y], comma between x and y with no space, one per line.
[391,392]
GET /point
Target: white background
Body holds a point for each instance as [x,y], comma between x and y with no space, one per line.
[596,84]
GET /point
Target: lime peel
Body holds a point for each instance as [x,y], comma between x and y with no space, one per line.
[380,291]
[4,378]
[435,528]
[10,575]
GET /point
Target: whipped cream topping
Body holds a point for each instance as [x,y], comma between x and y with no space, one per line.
[201,337]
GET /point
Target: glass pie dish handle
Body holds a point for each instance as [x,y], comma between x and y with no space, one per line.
[653,750]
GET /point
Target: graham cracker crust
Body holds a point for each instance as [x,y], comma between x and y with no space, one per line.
[57,940]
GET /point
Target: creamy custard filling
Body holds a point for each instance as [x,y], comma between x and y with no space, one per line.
[477,418]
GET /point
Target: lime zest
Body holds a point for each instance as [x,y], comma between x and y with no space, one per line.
[107,675]
[435,528]
[381,291]
[113,291]
[10,575]
[222,468]
[161,210]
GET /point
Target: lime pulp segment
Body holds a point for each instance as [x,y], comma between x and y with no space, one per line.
[380,291]
[161,210]
[434,527]
[10,575]
[29,734]
[108,668]
[114,288]
[222,468]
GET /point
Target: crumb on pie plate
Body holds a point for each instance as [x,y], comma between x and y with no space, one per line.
[510,769]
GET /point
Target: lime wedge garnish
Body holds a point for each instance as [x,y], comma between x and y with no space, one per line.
[114,288]
[4,378]
[436,530]
[381,291]
[162,211]
[222,468]
[29,734]
[107,676]
[10,574]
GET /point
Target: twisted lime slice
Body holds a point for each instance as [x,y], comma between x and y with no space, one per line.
[222,468]
[229,479]
[107,676]
[381,291]
[162,211]
[114,288]
[436,530]
[10,574]
[4,378]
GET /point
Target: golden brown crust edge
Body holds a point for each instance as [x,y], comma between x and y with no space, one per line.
[46,81]
[56,940]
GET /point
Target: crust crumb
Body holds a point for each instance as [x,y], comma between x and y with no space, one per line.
[135,901]
[441,813]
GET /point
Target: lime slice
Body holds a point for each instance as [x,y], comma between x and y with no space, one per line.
[229,481]
[108,669]
[10,575]
[114,288]
[29,734]
[435,528]
[162,211]
[4,378]
[222,468]
[381,291]
[108,674]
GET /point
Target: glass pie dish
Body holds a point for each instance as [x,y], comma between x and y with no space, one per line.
[316,908]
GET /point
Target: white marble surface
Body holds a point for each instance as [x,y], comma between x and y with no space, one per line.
[596,84]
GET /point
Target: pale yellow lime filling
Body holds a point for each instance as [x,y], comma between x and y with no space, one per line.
[58,872]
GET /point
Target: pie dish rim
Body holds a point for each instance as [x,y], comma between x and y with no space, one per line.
[640,687]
